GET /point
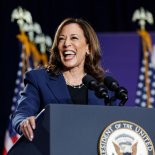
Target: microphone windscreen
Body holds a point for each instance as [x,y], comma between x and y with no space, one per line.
[90,82]
[110,82]
[87,79]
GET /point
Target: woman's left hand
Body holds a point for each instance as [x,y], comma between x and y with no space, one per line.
[27,126]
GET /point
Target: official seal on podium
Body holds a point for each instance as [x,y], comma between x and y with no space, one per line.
[125,138]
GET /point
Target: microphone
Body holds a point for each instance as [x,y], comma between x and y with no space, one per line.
[120,92]
[90,82]
[100,90]
[111,83]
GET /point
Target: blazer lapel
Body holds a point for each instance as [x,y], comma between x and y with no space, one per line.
[59,89]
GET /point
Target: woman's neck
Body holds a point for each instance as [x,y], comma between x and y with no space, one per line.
[74,76]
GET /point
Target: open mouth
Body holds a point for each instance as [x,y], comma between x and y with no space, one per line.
[69,55]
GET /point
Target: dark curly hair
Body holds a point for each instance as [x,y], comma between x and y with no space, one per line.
[92,64]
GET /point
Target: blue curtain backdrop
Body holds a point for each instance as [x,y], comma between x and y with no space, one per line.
[121,51]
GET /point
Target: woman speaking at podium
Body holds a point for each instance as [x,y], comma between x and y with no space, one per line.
[75,53]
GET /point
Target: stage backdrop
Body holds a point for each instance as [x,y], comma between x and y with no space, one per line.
[122,55]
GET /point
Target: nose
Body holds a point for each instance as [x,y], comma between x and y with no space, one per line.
[67,42]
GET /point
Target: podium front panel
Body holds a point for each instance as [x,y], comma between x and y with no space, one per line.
[76,129]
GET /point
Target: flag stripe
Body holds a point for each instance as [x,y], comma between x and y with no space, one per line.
[8,142]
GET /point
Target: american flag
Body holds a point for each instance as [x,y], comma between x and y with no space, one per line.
[11,136]
[145,95]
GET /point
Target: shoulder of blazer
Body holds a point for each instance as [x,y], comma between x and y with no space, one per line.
[40,74]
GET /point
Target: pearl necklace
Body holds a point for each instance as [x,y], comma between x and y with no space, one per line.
[75,86]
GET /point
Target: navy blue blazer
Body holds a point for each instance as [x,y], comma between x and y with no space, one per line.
[41,89]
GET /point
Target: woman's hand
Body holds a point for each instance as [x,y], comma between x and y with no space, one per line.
[27,126]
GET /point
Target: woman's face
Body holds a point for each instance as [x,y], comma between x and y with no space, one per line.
[72,46]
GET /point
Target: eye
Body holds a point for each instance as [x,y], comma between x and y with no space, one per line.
[61,38]
[74,38]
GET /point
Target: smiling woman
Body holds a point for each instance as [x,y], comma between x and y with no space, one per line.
[77,34]
[75,53]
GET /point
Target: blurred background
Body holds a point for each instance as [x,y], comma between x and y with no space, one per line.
[111,19]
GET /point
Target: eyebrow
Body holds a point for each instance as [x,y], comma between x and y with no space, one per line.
[75,34]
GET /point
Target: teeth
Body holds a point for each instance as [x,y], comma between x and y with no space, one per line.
[69,52]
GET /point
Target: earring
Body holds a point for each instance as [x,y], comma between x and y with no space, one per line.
[87,53]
